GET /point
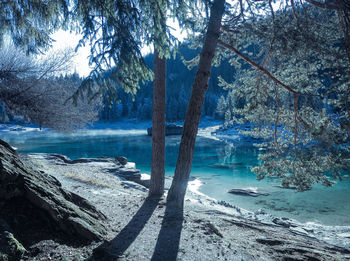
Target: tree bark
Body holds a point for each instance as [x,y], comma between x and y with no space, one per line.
[177,191]
[158,126]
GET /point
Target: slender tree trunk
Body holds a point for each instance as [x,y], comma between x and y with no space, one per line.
[177,191]
[158,126]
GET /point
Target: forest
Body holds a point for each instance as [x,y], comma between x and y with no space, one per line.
[179,82]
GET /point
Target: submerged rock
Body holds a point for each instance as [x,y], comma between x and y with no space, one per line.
[67,160]
[122,160]
[345,235]
[31,198]
[170,129]
[247,192]
[229,165]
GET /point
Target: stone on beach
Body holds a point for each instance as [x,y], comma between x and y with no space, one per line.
[253,192]
[122,160]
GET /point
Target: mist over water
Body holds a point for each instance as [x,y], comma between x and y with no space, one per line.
[218,165]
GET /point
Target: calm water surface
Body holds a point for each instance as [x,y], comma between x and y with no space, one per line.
[218,165]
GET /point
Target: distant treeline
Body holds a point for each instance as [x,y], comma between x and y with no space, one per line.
[179,84]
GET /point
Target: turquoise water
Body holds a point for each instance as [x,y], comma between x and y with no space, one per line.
[219,166]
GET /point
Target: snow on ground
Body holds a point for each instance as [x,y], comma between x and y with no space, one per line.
[122,127]
[19,127]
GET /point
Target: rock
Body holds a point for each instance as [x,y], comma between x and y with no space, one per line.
[39,195]
[252,192]
[230,165]
[89,160]
[129,172]
[122,160]
[212,229]
[299,231]
[170,129]
[225,204]
[260,211]
[145,180]
[285,187]
[269,241]
[10,248]
[67,160]
[283,223]
[345,235]
[16,129]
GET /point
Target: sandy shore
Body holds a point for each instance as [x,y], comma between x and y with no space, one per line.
[145,229]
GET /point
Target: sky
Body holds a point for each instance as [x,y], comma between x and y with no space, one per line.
[65,39]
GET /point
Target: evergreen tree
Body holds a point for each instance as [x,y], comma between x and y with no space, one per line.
[241,28]
[178,187]
[30,23]
[295,89]
[179,82]
[222,106]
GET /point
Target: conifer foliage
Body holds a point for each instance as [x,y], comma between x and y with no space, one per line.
[291,59]
[30,23]
[294,80]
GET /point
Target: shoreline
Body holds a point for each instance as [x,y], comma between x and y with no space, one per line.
[338,236]
[88,209]
[286,204]
[335,235]
[206,132]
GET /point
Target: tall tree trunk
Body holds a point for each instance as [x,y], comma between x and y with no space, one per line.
[177,191]
[158,126]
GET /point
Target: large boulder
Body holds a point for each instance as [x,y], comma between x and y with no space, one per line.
[170,129]
[32,199]
[10,247]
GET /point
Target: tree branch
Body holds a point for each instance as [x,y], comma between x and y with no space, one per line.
[326,5]
[266,72]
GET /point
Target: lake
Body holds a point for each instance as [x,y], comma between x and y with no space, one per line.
[219,166]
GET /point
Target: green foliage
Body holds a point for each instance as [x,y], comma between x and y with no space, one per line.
[116,31]
[298,98]
[30,23]
[179,83]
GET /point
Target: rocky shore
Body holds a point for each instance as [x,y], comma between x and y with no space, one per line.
[134,227]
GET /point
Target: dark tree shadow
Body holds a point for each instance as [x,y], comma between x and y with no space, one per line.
[168,241]
[115,248]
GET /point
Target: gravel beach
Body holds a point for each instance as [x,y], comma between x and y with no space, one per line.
[141,228]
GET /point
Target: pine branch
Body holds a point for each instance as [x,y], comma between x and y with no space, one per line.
[264,70]
[332,5]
